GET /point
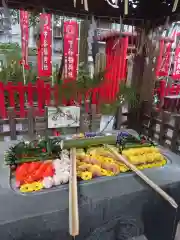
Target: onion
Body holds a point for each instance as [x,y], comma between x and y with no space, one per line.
[47,182]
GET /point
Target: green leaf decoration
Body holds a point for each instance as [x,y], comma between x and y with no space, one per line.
[84,82]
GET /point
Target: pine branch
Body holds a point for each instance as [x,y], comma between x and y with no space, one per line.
[71,89]
[126,94]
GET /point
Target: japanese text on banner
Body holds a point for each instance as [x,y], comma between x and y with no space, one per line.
[45,48]
[176,71]
[24,23]
[164,60]
[71,34]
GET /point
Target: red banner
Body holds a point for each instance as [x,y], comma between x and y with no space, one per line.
[163,63]
[71,34]
[176,71]
[24,24]
[45,48]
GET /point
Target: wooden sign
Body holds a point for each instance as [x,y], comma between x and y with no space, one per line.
[63,117]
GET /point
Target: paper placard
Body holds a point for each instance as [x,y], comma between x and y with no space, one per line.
[19,127]
[7,138]
[6,127]
[63,117]
[106,123]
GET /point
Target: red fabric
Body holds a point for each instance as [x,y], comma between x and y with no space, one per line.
[176,71]
[24,24]
[116,51]
[71,34]
[163,63]
[45,47]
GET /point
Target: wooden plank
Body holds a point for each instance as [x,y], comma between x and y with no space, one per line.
[31,123]
[22,132]
[175,136]
[163,127]
[152,123]
[84,122]
[93,122]
[119,118]
[12,123]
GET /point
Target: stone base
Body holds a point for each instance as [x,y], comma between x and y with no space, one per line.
[142,237]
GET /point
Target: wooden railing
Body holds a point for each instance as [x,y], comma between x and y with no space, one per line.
[33,126]
[161,126]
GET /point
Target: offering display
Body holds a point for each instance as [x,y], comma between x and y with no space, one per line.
[45,164]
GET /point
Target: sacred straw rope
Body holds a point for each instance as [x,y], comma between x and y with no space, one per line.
[73,197]
[142,176]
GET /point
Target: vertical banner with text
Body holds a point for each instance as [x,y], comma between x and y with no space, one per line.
[71,34]
[164,60]
[24,24]
[176,70]
[45,48]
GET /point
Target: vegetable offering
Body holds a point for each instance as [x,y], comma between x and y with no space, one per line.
[33,172]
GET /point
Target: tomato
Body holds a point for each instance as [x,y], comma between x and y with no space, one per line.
[20,178]
[22,168]
[43,167]
[29,179]
[37,175]
[21,172]
[33,166]
[49,172]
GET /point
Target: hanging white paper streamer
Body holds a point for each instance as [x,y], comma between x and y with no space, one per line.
[74,3]
[113,3]
[106,123]
[175,5]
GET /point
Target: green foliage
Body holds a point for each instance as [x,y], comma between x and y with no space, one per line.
[70,90]
[27,151]
[12,46]
[126,94]
[10,156]
[9,48]
[129,95]
[84,82]
[12,71]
